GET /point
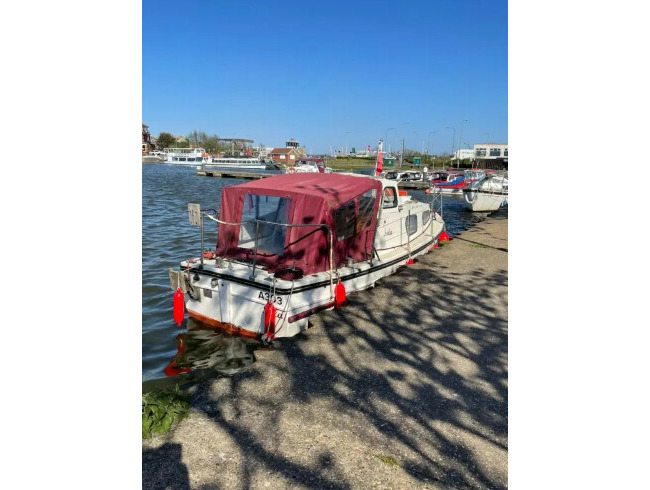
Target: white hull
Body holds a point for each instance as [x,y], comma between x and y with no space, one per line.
[447,191]
[484,201]
[229,297]
[192,163]
[257,166]
[185,156]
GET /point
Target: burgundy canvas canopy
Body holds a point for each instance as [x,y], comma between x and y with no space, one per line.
[347,204]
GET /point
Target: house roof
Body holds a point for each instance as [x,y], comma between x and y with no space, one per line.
[283,150]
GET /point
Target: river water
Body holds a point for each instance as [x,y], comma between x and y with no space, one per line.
[167,238]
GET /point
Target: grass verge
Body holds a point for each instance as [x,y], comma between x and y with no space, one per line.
[160,409]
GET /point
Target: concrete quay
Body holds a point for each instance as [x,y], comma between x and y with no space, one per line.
[405,387]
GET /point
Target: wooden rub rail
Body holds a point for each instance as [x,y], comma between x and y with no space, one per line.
[253,175]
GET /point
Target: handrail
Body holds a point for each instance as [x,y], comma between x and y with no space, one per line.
[288,225]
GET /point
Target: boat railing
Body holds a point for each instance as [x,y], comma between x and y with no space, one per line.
[436,200]
[286,225]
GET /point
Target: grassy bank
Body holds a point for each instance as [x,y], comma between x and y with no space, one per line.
[368,163]
[355,164]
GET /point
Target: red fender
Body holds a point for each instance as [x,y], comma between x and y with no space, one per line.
[269,320]
[339,295]
[179,307]
[443,237]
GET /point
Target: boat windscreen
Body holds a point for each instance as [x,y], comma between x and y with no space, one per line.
[271,237]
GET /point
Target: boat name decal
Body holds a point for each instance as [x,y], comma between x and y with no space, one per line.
[270,297]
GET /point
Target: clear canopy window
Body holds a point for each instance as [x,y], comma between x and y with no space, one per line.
[259,217]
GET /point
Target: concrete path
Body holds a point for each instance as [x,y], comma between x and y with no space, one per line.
[405,387]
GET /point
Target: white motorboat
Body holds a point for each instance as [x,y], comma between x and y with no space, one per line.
[290,246]
[305,168]
[407,176]
[488,194]
[309,167]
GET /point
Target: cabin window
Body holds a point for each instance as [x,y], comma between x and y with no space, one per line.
[270,236]
[412,224]
[366,208]
[345,221]
[425,217]
[390,198]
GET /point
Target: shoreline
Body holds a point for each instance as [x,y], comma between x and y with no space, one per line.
[405,387]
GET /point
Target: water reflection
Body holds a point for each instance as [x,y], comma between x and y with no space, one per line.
[203,352]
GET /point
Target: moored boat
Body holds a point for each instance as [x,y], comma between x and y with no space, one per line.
[185,156]
[488,194]
[235,162]
[309,166]
[453,183]
[291,245]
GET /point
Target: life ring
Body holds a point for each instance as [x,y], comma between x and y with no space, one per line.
[291,170]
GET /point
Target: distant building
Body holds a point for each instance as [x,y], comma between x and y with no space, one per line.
[365,153]
[292,143]
[492,155]
[264,151]
[464,154]
[146,140]
[288,156]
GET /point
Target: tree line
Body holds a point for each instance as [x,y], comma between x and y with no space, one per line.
[195,138]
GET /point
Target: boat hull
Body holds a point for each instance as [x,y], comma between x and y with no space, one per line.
[247,166]
[449,190]
[483,201]
[232,299]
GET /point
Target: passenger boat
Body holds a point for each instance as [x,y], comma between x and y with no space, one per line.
[488,194]
[235,162]
[185,156]
[292,245]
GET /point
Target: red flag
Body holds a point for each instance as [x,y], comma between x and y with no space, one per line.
[380,162]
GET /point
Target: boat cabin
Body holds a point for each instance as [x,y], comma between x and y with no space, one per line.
[292,220]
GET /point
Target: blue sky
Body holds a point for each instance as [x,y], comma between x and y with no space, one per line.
[328,74]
